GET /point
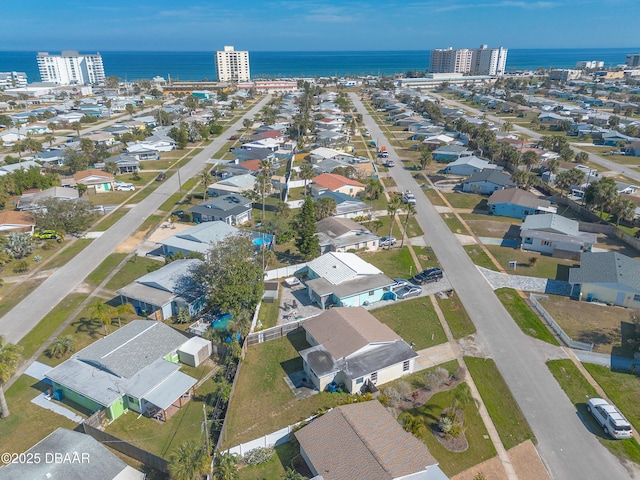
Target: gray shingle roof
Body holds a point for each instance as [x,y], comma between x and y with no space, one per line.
[607,267]
[517,196]
[492,176]
[551,223]
[168,277]
[101,463]
[363,440]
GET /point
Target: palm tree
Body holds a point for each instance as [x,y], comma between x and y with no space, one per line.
[61,346]
[264,177]
[9,359]
[102,312]
[205,180]
[623,209]
[392,208]
[77,126]
[530,158]
[306,173]
[122,310]
[376,224]
[188,462]
[582,157]
[409,210]
[50,139]
[227,468]
[373,189]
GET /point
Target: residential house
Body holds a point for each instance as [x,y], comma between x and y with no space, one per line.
[236,184]
[124,163]
[33,200]
[352,348]
[22,165]
[134,368]
[607,277]
[363,440]
[12,221]
[555,235]
[614,138]
[342,234]
[633,149]
[97,180]
[102,138]
[469,165]
[37,128]
[448,153]
[50,157]
[266,143]
[344,280]
[346,206]
[201,237]
[161,294]
[518,203]
[320,154]
[232,209]
[336,183]
[486,182]
[78,455]
[11,136]
[436,141]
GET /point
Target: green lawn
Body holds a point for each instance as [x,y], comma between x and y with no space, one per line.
[162,438]
[479,257]
[261,390]
[456,316]
[544,267]
[454,224]
[69,253]
[268,314]
[414,320]
[134,268]
[395,263]
[151,222]
[105,268]
[578,389]
[480,446]
[27,423]
[383,230]
[105,222]
[510,423]
[466,200]
[528,321]
[433,197]
[274,468]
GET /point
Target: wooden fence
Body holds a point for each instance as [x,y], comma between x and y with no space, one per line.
[272,333]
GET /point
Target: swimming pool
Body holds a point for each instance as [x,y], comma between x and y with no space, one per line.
[223,322]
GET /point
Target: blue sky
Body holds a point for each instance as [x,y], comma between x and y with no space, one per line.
[284,25]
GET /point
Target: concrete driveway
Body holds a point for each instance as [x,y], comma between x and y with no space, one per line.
[567,448]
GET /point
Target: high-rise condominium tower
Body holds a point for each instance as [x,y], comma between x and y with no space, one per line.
[232,66]
[71,68]
[477,61]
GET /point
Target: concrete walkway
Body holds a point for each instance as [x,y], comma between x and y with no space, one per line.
[430,357]
[525,283]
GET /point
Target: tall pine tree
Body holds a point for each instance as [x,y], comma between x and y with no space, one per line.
[306,232]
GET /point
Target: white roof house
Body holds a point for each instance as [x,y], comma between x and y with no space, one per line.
[235,184]
[469,165]
[338,267]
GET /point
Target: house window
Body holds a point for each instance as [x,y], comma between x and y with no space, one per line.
[528,240]
[405,366]
[371,293]
[374,378]
[546,243]
[636,298]
[359,380]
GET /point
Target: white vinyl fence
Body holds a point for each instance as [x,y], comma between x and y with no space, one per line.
[559,331]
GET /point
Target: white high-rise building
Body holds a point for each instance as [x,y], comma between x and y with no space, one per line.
[633,60]
[232,65]
[71,68]
[13,80]
[476,61]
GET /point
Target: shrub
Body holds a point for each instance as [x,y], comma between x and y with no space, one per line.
[392,396]
[445,424]
[21,267]
[259,455]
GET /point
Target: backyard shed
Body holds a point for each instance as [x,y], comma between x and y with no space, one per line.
[195,351]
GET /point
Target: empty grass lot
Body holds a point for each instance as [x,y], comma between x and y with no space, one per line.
[466,200]
[479,257]
[524,317]
[578,389]
[135,268]
[433,197]
[262,402]
[454,224]
[545,266]
[510,423]
[480,446]
[456,316]
[395,263]
[414,320]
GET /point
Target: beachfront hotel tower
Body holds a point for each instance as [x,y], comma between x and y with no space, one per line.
[232,65]
[71,68]
[474,61]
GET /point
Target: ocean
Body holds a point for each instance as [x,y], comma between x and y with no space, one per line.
[201,65]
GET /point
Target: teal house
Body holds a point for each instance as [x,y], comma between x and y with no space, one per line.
[137,368]
[345,280]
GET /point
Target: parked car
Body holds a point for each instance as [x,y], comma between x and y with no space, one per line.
[429,275]
[47,235]
[408,292]
[610,418]
[399,283]
[387,241]
[408,197]
[124,187]
[161,176]
[390,163]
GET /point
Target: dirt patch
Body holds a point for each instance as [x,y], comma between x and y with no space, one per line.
[588,322]
[130,244]
[492,469]
[527,462]
[83,288]
[471,348]
[492,228]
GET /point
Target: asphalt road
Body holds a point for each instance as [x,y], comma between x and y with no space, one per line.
[35,307]
[566,446]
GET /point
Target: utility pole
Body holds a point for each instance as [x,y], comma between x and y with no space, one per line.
[206,428]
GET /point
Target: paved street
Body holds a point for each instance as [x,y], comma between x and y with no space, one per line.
[567,448]
[31,310]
